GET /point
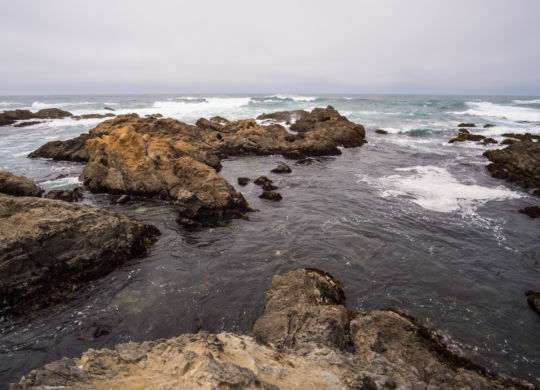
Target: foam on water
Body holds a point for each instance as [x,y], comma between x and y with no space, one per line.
[63,182]
[435,188]
[293,97]
[532,101]
[494,110]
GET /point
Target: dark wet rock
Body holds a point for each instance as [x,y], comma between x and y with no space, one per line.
[49,248]
[285,116]
[120,199]
[261,180]
[381,131]
[509,141]
[271,195]
[219,119]
[172,160]
[75,195]
[465,135]
[488,125]
[305,336]
[490,140]
[531,211]
[108,108]
[243,180]
[18,185]
[52,113]
[466,125]
[93,116]
[26,124]
[282,168]
[305,161]
[533,298]
[153,116]
[95,331]
[522,137]
[11,116]
[518,163]
[268,186]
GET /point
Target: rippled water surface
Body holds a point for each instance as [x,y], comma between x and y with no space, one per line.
[407,221]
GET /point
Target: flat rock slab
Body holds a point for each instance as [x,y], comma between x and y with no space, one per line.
[49,248]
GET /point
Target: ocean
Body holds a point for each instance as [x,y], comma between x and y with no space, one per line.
[407,221]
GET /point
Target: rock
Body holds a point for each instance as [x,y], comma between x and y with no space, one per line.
[518,163]
[509,141]
[466,125]
[26,124]
[285,116]
[488,125]
[490,140]
[243,180]
[522,137]
[381,131]
[18,185]
[153,116]
[49,248]
[10,117]
[219,119]
[271,195]
[268,186]
[282,168]
[75,195]
[261,180]
[533,298]
[92,116]
[307,339]
[52,113]
[120,199]
[305,161]
[464,135]
[108,108]
[179,162]
[531,211]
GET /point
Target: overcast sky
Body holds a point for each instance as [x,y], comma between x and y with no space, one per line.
[216,46]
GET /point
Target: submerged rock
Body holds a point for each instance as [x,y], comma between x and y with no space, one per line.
[531,211]
[271,195]
[18,185]
[522,137]
[26,124]
[49,248]
[75,195]
[466,125]
[517,163]
[282,168]
[533,298]
[381,131]
[464,135]
[306,338]
[93,116]
[488,125]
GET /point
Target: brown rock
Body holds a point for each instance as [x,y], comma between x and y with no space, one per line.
[282,168]
[466,125]
[243,180]
[18,185]
[271,195]
[261,180]
[533,299]
[26,124]
[381,131]
[75,195]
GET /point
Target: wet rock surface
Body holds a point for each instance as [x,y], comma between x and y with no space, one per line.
[531,211]
[518,163]
[75,195]
[465,135]
[11,184]
[243,181]
[271,195]
[381,131]
[48,248]
[12,116]
[533,298]
[282,168]
[179,162]
[306,338]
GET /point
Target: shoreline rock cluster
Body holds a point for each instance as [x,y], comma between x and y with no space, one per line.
[19,118]
[172,160]
[306,338]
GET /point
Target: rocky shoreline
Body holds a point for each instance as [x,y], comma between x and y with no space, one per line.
[306,338]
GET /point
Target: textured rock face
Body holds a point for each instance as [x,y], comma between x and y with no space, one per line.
[518,163]
[48,248]
[311,342]
[179,162]
[18,185]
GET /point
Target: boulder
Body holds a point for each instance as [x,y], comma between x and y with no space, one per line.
[243,180]
[262,180]
[508,141]
[533,299]
[271,195]
[489,140]
[381,131]
[52,113]
[49,248]
[282,168]
[108,108]
[75,195]
[306,338]
[531,211]
[70,150]
[517,163]
[466,125]
[18,185]
[268,186]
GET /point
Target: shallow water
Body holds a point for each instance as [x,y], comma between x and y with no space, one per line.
[407,221]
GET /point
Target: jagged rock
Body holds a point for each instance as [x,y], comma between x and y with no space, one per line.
[381,131]
[488,125]
[282,168]
[49,248]
[285,116]
[533,298]
[93,116]
[18,185]
[243,180]
[466,125]
[271,195]
[518,163]
[531,211]
[26,124]
[309,340]
[75,195]
[179,162]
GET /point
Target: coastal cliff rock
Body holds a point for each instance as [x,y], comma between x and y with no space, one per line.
[18,185]
[309,340]
[48,248]
[518,163]
[179,162]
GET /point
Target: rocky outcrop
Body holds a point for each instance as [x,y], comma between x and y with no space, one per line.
[285,116]
[464,135]
[522,137]
[381,131]
[75,195]
[48,248]
[517,163]
[12,116]
[306,338]
[531,211]
[27,123]
[18,185]
[179,162]
[533,298]
[282,168]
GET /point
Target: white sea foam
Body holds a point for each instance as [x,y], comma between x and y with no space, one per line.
[532,101]
[59,183]
[37,105]
[435,188]
[513,113]
[295,98]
